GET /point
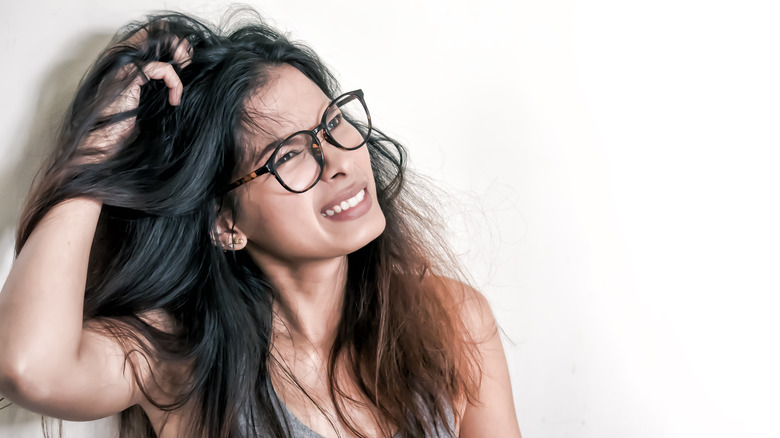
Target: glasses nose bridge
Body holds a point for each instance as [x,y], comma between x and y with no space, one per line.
[321,128]
[325,138]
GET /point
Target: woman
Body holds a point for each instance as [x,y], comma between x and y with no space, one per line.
[223,245]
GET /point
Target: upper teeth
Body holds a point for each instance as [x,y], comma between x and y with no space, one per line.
[347,204]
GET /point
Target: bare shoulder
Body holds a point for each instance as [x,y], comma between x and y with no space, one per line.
[155,382]
[151,376]
[161,320]
[492,413]
[469,303]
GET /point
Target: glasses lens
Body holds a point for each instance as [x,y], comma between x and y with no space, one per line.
[297,162]
[347,122]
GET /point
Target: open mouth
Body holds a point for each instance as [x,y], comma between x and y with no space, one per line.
[345,204]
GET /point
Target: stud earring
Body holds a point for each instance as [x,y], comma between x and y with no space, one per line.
[237,241]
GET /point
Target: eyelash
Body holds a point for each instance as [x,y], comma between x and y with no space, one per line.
[338,120]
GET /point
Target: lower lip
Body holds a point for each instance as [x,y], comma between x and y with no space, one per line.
[353,212]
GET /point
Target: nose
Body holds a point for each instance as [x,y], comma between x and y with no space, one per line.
[337,162]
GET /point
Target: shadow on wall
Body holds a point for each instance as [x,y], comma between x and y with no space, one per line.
[55,94]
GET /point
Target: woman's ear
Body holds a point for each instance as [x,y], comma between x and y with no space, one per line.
[228,236]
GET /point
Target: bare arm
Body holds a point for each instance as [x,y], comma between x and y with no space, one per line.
[49,364]
[51,361]
[494,413]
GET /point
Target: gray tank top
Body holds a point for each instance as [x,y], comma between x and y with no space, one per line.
[300,430]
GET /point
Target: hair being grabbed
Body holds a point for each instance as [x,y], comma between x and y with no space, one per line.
[401,334]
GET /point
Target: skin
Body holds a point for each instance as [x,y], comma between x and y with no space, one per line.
[284,232]
[304,253]
[54,364]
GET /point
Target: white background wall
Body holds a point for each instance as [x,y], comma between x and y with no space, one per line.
[616,169]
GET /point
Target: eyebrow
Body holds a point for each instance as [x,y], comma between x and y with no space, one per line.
[256,155]
[271,146]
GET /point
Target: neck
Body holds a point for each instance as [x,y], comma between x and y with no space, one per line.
[309,302]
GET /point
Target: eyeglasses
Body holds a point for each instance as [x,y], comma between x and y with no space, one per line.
[297,161]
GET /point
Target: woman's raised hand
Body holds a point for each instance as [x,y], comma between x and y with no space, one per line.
[51,360]
[102,140]
[154,70]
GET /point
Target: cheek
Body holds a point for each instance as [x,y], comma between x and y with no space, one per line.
[365,162]
[277,220]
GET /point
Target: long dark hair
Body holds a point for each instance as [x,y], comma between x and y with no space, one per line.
[407,348]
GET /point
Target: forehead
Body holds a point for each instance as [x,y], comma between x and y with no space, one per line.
[288,102]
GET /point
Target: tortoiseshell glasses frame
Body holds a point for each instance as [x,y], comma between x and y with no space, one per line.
[294,145]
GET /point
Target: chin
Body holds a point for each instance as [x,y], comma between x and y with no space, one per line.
[370,231]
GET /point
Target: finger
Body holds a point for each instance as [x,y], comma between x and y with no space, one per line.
[127,71]
[127,99]
[141,36]
[138,39]
[165,72]
[183,54]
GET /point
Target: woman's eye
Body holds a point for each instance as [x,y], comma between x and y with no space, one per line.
[287,157]
[334,122]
